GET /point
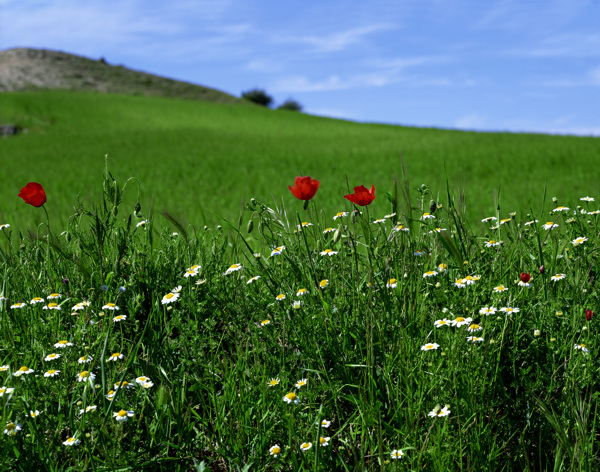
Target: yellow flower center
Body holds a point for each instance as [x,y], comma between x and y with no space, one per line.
[110,304]
[122,413]
[393,281]
[291,396]
[273,382]
[323,283]
[168,296]
[459,319]
[474,326]
[11,426]
[84,374]
[276,450]
[51,371]
[23,369]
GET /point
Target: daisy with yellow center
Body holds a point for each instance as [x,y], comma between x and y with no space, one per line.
[392,283]
[277,251]
[442,268]
[328,252]
[488,219]
[437,412]
[115,357]
[380,220]
[582,347]
[550,225]
[110,306]
[560,208]
[253,279]
[51,306]
[397,454]
[52,373]
[51,357]
[233,268]
[291,398]
[110,395]
[509,310]
[492,243]
[36,300]
[430,273]
[84,359]
[122,415]
[460,321]
[71,442]
[4,368]
[460,283]
[328,230]
[427,216]
[429,347]
[34,414]
[301,383]
[23,371]
[18,305]
[273,382]
[190,273]
[123,384]
[578,241]
[170,298]
[557,277]
[444,322]
[301,292]
[474,327]
[324,441]
[118,318]
[142,379]
[500,288]
[280,297]
[324,283]
[275,450]
[12,428]
[304,225]
[265,322]
[85,376]
[487,311]
[305,446]
[6,390]
[401,228]
[587,199]
[54,296]
[340,214]
[474,339]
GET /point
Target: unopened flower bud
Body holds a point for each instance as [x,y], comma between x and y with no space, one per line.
[250,226]
[432,206]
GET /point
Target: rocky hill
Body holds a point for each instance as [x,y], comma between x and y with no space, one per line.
[33,69]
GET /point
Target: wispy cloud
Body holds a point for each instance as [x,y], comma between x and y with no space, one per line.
[337,41]
[590,79]
[471,121]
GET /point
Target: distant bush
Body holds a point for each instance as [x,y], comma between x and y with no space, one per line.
[290,104]
[260,97]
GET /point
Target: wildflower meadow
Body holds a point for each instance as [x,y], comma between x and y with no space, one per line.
[390,335]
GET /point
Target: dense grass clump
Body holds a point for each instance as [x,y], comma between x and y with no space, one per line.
[299,339]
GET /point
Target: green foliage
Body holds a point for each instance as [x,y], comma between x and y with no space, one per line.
[225,322]
[258,96]
[204,159]
[291,105]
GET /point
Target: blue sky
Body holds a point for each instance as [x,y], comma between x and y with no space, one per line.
[525,65]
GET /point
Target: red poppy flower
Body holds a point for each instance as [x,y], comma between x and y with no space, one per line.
[33,193]
[525,277]
[362,196]
[589,314]
[304,187]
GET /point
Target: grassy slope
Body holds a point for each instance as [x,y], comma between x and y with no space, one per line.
[200,157]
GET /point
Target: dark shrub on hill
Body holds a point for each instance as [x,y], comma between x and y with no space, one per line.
[260,97]
[290,104]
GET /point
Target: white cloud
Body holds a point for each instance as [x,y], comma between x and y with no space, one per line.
[337,41]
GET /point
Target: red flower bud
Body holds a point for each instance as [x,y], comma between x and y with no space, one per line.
[589,314]
[304,188]
[362,196]
[525,277]
[541,269]
[33,193]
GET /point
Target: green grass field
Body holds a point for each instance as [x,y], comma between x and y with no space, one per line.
[204,159]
